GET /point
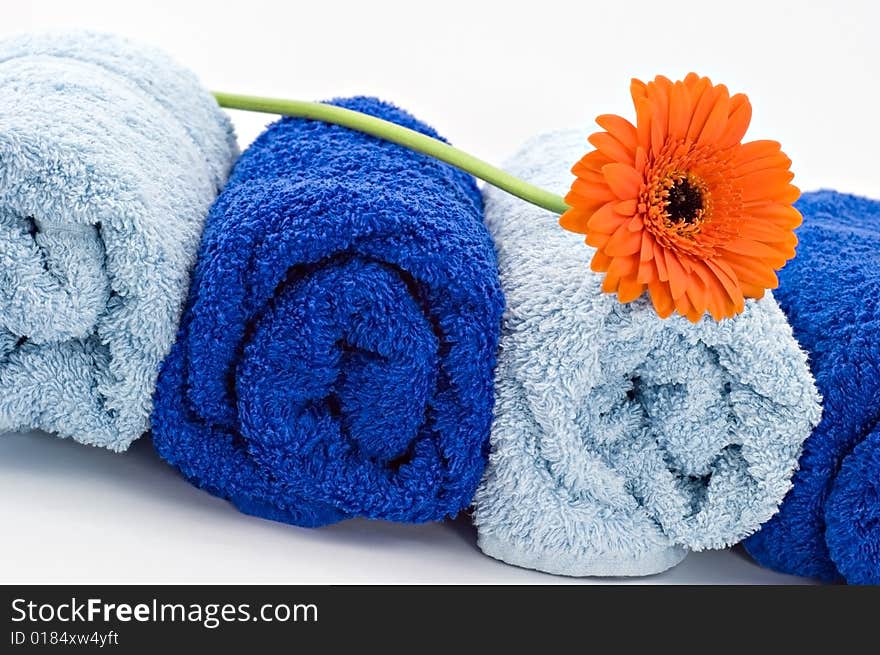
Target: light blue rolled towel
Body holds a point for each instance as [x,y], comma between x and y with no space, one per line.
[621,440]
[110,156]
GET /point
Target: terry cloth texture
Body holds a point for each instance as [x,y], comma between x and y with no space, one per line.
[336,356]
[621,440]
[110,157]
[829,525]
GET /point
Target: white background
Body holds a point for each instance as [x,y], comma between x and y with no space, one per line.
[487,75]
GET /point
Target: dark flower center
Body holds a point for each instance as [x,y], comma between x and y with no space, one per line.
[684,204]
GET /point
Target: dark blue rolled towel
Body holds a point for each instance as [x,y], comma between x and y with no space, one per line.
[828,527]
[336,355]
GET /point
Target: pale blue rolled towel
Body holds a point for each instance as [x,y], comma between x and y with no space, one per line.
[110,156]
[621,441]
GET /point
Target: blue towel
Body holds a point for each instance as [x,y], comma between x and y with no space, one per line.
[336,355]
[621,440]
[110,157]
[829,525]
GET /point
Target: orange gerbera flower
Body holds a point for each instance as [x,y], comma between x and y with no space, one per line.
[678,206]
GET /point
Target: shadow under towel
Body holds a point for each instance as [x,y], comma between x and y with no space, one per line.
[110,156]
[829,525]
[621,440]
[336,356]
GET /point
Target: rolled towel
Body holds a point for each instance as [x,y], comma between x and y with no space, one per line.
[336,355]
[829,525]
[110,156]
[621,440]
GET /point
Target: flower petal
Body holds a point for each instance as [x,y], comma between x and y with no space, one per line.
[756,150]
[661,299]
[611,147]
[782,216]
[717,120]
[695,315]
[691,80]
[658,136]
[647,272]
[766,232]
[592,192]
[677,275]
[757,250]
[752,271]
[647,252]
[600,262]
[641,158]
[610,282]
[597,239]
[737,122]
[788,195]
[626,207]
[777,160]
[698,294]
[620,268]
[683,305]
[752,290]
[660,260]
[588,174]
[628,290]
[624,266]
[717,299]
[585,205]
[637,90]
[605,220]
[703,105]
[679,111]
[621,129]
[593,161]
[623,180]
[728,279]
[574,220]
[658,96]
[623,242]
[644,120]
[769,184]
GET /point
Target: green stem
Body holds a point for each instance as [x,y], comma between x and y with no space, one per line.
[402,136]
